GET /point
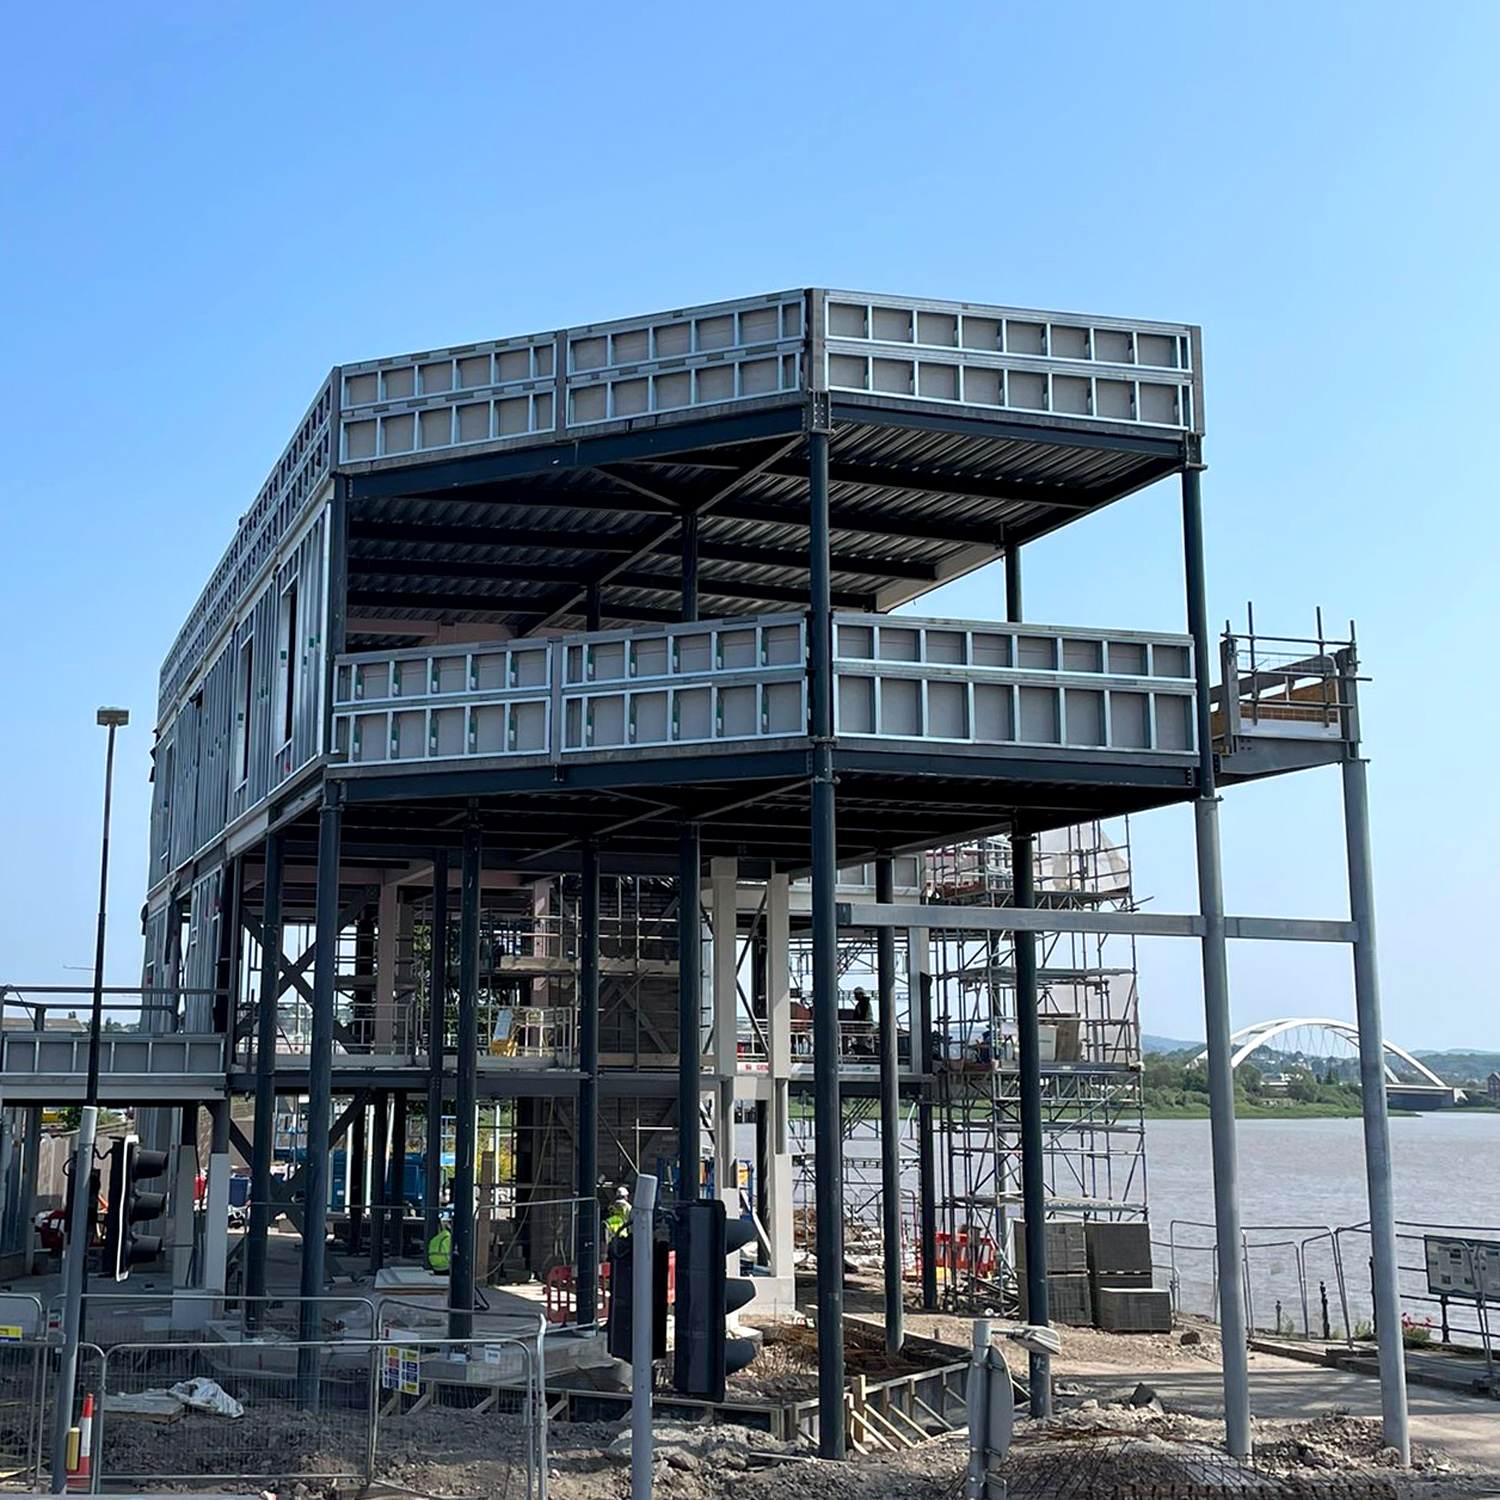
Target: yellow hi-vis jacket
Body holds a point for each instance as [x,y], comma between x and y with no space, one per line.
[440,1250]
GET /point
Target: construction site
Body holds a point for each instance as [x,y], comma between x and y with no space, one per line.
[557,782]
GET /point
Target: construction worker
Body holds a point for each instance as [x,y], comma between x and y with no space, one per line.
[440,1249]
[618,1214]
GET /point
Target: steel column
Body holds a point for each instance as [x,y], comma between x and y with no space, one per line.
[828,1105]
[1216,994]
[919,988]
[689,1012]
[588,1084]
[1029,1079]
[395,1195]
[212,1275]
[380,1137]
[319,1092]
[354,1177]
[690,566]
[1372,1091]
[1013,604]
[461,1268]
[437,1006]
[890,1113]
[264,1140]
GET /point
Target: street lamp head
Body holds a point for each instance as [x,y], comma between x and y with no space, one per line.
[113,718]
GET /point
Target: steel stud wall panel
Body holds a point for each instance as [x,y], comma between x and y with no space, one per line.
[898,678]
[215,760]
[284,499]
[742,679]
[1097,369]
[957,682]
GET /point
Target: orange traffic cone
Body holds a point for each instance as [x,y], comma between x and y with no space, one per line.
[79,1477]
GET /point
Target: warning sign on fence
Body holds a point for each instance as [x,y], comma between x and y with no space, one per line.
[401,1370]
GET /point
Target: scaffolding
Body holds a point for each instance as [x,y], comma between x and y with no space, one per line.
[1094,1157]
[1094,1130]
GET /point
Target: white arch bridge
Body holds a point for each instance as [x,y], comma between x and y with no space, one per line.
[1416,1083]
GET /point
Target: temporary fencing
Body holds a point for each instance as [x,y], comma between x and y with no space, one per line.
[192,1316]
[228,1408]
[88,1389]
[489,1396]
[214,1411]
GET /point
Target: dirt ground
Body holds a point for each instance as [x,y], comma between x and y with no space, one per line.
[1106,1439]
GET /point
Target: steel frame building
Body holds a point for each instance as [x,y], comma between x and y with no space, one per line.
[528,617]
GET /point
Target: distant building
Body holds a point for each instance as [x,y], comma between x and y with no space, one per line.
[1492,1087]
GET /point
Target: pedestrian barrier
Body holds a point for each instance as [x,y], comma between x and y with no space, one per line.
[181,1412]
[22,1368]
[88,1389]
[489,1394]
[240,1410]
[192,1316]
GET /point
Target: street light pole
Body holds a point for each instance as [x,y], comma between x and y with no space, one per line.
[75,1256]
[111,719]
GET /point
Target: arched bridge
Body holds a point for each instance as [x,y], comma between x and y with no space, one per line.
[1417,1084]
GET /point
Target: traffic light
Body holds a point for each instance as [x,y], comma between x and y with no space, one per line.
[621,1323]
[706,1295]
[128,1205]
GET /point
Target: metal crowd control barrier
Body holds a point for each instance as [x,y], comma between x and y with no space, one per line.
[491,1389]
[1428,1315]
[221,1412]
[22,1371]
[91,1379]
[1278,1272]
[185,1316]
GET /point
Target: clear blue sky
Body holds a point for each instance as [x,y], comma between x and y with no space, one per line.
[206,206]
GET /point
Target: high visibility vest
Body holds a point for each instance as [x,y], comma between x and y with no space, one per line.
[616,1219]
[440,1250]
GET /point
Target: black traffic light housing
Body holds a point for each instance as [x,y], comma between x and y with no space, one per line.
[128,1205]
[706,1295]
[619,1330]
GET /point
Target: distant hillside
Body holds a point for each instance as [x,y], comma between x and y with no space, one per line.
[1458,1066]
[1167,1044]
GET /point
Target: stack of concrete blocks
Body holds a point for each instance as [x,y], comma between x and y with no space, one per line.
[1069,1298]
[1119,1275]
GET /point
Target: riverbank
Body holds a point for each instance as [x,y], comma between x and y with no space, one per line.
[1244,1109]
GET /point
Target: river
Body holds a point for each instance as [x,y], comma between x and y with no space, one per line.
[1446,1167]
[1307,1173]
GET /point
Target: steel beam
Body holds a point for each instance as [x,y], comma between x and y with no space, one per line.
[1046,919]
[461,1268]
[265,1083]
[319,1095]
[588,1086]
[828,1105]
[890,1113]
